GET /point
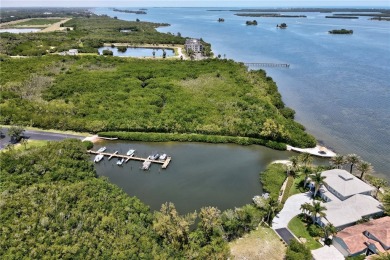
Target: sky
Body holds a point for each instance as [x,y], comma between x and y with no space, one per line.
[190,3]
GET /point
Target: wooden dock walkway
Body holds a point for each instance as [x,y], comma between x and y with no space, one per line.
[265,64]
[164,163]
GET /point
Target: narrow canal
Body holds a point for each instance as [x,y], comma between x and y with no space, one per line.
[222,175]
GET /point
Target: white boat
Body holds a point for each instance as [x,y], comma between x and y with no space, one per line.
[130,152]
[154,156]
[98,158]
[163,157]
[102,149]
[146,165]
[120,162]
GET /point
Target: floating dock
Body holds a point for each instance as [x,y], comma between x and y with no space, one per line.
[164,163]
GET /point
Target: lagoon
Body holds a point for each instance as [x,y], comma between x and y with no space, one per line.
[137,52]
[200,174]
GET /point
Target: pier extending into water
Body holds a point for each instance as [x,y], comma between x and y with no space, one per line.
[264,64]
[164,163]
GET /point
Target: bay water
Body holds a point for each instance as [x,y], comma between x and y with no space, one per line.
[339,85]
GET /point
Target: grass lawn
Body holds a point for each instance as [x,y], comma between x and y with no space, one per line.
[299,229]
[297,188]
[262,243]
[39,22]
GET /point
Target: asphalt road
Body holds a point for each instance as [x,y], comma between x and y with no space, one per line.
[37,135]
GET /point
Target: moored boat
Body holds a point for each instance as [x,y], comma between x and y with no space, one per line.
[102,149]
[163,157]
[154,156]
[120,161]
[98,158]
[146,165]
[130,152]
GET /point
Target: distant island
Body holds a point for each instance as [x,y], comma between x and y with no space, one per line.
[129,11]
[342,31]
[269,15]
[254,22]
[221,20]
[342,17]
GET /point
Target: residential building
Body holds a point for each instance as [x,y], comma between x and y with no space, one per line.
[193,44]
[348,199]
[372,237]
[343,185]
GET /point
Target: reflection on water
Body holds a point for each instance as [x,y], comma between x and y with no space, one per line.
[221,175]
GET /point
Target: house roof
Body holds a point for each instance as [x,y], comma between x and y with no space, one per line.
[341,213]
[356,241]
[345,183]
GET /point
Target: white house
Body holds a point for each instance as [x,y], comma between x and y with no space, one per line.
[348,199]
[342,185]
[193,44]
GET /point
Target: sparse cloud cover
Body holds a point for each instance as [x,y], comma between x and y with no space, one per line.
[190,3]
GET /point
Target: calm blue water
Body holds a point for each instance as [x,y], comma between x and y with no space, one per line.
[339,85]
[137,52]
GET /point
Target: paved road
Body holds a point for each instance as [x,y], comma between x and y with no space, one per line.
[38,135]
[291,209]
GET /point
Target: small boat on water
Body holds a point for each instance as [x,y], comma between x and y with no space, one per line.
[120,162]
[146,165]
[102,149]
[163,157]
[154,156]
[130,152]
[98,158]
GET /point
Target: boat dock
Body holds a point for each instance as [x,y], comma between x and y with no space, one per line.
[164,163]
[265,64]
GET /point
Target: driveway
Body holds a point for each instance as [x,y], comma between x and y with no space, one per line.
[291,209]
[327,253]
[37,135]
[285,234]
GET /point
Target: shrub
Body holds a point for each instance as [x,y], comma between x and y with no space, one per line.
[315,231]
[272,179]
[108,53]
[88,145]
[298,251]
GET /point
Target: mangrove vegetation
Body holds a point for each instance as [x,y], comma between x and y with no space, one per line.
[103,94]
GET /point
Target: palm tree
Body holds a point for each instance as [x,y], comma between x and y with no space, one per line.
[318,180]
[364,167]
[317,210]
[337,161]
[270,209]
[307,172]
[294,163]
[329,230]
[306,209]
[378,183]
[352,159]
[306,158]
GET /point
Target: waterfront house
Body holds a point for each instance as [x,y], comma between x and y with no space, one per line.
[348,199]
[341,185]
[194,45]
[368,238]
